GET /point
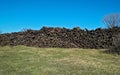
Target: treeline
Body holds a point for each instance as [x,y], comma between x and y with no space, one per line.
[62,37]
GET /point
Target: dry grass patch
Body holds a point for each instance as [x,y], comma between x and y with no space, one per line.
[22,60]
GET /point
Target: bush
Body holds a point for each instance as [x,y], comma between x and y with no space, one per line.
[116,45]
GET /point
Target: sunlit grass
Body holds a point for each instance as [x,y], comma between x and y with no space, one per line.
[22,60]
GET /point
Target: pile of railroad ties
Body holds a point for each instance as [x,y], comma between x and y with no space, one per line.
[61,38]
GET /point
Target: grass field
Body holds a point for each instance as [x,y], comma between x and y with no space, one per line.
[22,60]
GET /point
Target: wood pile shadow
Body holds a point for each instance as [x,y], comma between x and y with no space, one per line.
[61,37]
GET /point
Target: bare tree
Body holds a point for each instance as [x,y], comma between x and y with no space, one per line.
[112,20]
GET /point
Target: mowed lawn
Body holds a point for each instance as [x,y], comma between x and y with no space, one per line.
[22,60]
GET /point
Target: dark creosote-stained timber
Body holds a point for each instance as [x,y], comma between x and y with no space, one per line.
[61,37]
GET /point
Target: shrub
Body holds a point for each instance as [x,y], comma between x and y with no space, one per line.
[116,45]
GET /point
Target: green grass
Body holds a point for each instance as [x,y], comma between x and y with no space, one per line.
[22,60]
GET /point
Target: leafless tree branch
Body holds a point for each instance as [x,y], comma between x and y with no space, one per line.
[112,20]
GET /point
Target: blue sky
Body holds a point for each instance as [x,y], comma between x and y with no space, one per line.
[16,15]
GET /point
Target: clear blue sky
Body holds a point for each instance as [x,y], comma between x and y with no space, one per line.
[33,14]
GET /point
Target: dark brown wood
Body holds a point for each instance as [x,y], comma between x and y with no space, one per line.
[61,37]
